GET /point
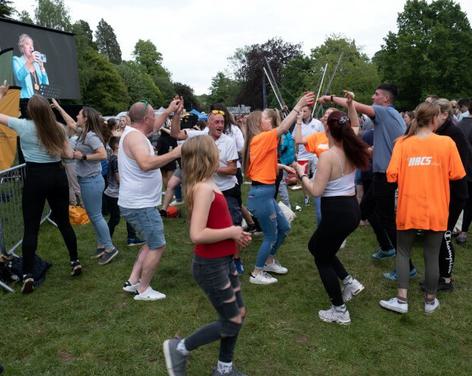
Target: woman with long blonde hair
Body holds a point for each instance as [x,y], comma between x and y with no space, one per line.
[44,143]
[260,165]
[215,239]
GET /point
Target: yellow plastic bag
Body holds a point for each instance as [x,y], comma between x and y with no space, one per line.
[78,215]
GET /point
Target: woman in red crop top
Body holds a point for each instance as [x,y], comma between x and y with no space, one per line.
[215,238]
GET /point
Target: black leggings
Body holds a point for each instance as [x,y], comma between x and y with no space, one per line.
[339,217]
[447,253]
[114,220]
[45,181]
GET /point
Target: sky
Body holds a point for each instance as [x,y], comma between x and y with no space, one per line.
[196,37]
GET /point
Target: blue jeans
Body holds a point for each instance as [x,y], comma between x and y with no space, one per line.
[91,189]
[275,227]
[147,222]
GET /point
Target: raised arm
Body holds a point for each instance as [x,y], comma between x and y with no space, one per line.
[173,106]
[359,107]
[67,118]
[175,130]
[306,99]
[351,111]
[3,89]
[136,148]
[299,139]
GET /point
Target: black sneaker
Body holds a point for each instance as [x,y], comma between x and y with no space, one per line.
[107,256]
[28,284]
[176,362]
[76,268]
[442,285]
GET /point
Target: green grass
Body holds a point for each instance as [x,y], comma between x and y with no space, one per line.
[88,326]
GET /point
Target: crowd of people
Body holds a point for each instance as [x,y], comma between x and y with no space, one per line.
[414,170]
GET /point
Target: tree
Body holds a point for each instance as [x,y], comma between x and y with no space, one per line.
[101,85]
[52,14]
[430,54]
[25,17]
[107,43]
[355,72]
[140,84]
[249,62]
[83,34]
[191,102]
[146,54]
[6,9]
[223,90]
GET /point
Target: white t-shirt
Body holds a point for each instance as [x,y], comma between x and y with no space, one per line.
[227,152]
[307,129]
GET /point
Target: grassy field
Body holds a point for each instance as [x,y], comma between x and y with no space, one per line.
[88,326]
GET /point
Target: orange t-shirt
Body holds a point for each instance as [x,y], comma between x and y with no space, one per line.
[423,167]
[263,157]
[317,143]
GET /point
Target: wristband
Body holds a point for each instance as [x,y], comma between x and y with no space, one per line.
[84,157]
[331,98]
[297,111]
[302,176]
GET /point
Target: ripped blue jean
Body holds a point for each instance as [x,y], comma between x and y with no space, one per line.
[275,227]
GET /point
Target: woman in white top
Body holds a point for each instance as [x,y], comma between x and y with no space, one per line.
[334,181]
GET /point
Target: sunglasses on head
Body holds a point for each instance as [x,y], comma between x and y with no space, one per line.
[218,112]
[146,104]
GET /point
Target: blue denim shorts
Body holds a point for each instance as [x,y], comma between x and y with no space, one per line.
[148,225]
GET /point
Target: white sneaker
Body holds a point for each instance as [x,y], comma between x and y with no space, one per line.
[275,267]
[431,307]
[335,315]
[150,295]
[394,305]
[129,287]
[351,289]
[262,278]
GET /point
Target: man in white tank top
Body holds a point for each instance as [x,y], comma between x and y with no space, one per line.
[141,190]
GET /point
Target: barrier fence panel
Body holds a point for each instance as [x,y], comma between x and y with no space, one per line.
[11,218]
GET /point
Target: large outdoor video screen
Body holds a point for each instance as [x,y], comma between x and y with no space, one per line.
[44,61]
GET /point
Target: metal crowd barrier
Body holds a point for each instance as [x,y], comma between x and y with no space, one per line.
[11,218]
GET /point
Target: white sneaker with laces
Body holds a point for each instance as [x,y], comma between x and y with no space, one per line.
[394,305]
[150,295]
[336,315]
[352,289]
[262,278]
[275,267]
[431,307]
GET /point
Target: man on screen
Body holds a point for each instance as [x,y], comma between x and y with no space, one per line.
[28,68]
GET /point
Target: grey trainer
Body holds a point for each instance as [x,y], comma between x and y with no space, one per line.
[176,362]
